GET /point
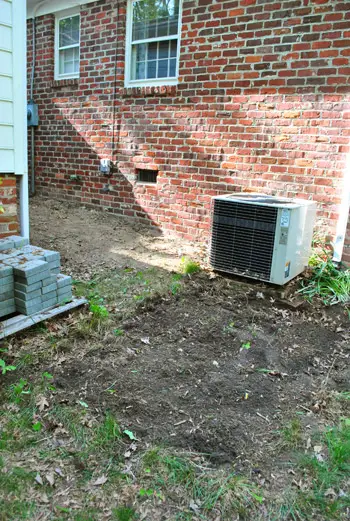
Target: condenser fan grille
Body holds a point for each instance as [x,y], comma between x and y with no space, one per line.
[243,238]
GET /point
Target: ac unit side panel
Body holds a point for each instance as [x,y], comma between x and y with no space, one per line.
[299,248]
[293,238]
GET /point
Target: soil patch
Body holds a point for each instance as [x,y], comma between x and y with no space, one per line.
[90,241]
[219,369]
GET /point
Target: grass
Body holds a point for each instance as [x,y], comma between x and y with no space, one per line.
[328,282]
[88,442]
[189,266]
[292,433]
[209,489]
[328,473]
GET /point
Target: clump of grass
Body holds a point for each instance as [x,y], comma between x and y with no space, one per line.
[189,266]
[328,282]
[329,473]
[123,514]
[193,481]
[292,433]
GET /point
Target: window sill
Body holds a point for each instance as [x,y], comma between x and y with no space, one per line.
[67,82]
[142,92]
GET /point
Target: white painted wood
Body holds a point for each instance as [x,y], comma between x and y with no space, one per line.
[149,82]
[20,87]
[6,111]
[61,16]
[13,99]
[40,7]
[13,123]
[19,322]
[7,160]
[6,66]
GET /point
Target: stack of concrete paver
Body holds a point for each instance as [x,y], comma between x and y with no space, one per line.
[30,278]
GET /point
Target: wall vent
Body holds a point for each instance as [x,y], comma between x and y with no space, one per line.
[146,176]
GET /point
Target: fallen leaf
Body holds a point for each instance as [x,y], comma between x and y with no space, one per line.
[38,479]
[215,363]
[193,506]
[50,478]
[59,472]
[145,340]
[100,481]
[129,434]
[41,402]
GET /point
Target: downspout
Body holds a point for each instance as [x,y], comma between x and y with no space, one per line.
[342,224]
[32,131]
[32,75]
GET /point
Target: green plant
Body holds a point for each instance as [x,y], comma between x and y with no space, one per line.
[5,368]
[119,332]
[19,389]
[99,311]
[292,433]
[329,469]
[188,266]
[123,513]
[328,282]
[246,345]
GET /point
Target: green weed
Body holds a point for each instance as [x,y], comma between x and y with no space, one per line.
[328,282]
[188,266]
[6,368]
[292,433]
[124,514]
[329,472]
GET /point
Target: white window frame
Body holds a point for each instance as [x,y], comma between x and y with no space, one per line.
[149,82]
[62,15]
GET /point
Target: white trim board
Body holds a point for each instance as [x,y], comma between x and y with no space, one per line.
[41,7]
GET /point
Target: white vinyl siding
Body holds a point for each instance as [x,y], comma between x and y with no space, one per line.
[7,144]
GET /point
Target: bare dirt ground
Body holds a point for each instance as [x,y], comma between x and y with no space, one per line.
[90,241]
[205,364]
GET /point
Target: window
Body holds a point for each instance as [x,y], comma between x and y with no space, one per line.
[146,176]
[153,42]
[67,46]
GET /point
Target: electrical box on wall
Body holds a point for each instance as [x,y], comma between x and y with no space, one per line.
[105,166]
[32,114]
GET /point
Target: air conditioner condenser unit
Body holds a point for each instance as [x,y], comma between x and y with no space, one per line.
[260,236]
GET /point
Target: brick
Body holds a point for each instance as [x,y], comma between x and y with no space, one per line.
[51,279]
[18,242]
[25,288]
[30,309]
[26,302]
[49,288]
[6,271]
[50,299]
[6,244]
[63,281]
[6,281]
[32,268]
[233,57]
[23,295]
[6,304]
[33,279]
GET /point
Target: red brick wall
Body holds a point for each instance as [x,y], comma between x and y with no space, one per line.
[263,103]
[8,205]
